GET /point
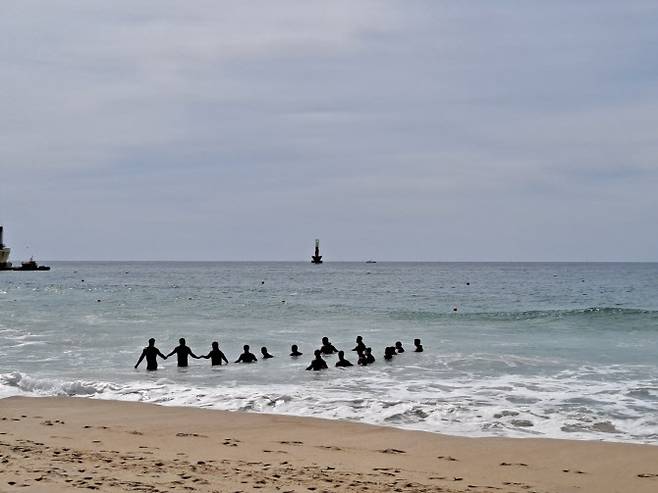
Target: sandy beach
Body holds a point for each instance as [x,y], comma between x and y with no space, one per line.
[62,444]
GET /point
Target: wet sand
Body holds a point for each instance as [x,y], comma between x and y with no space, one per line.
[66,444]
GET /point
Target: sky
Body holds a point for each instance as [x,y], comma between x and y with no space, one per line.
[488,130]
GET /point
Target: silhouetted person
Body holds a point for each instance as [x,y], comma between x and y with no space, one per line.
[419,346]
[295,352]
[398,347]
[370,359]
[150,353]
[359,344]
[362,361]
[318,363]
[389,352]
[327,347]
[265,354]
[215,355]
[246,357]
[182,352]
[342,361]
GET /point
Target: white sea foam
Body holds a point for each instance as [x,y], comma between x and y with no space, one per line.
[525,409]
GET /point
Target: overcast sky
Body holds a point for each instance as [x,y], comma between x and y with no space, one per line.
[407,130]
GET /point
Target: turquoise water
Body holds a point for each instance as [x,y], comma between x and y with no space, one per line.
[557,350]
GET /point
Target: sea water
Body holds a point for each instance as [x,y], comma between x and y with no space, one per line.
[511,349]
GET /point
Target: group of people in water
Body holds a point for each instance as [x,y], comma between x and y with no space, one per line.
[217,357]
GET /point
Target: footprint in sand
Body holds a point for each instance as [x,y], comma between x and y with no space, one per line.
[513,464]
[448,458]
[329,447]
[647,475]
[392,451]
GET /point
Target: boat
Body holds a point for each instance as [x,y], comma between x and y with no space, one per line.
[317,258]
[371,261]
[31,265]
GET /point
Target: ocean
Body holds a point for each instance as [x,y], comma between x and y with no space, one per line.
[561,350]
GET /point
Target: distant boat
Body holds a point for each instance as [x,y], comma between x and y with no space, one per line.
[371,261]
[31,265]
[317,258]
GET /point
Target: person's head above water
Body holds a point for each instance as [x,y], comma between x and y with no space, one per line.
[181,341]
[294,348]
[368,350]
[151,341]
[416,342]
[341,355]
[398,344]
[263,350]
[317,353]
[246,348]
[359,339]
[325,340]
[215,345]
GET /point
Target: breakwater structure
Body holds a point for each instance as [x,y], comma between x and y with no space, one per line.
[5,264]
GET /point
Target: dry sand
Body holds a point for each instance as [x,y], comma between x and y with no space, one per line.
[64,444]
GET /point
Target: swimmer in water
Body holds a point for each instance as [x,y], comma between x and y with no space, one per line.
[246,357]
[398,347]
[359,344]
[370,359]
[342,362]
[362,361]
[265,354]
[318,363]
[327,347]
[389,352]
[295,351]
[419,346]
[150,353]
[182,352]
[215,355]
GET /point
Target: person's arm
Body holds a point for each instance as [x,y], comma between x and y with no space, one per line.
[207,356]
[239,360]
[310,367]
[222,356]
[333,348]
[140,358]
[192,354]
[161,355]
[175,350]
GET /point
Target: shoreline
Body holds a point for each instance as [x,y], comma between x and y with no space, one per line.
[61,443]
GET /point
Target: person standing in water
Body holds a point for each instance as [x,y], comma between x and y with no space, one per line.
[246,357]
[419,346]
[389,352]
[265,354]
[370,359]
[342,362]
[182,352]
[318,363]
[398,347]
[359,344]
[151,354]
[327,347]
[215,355]
[295,351]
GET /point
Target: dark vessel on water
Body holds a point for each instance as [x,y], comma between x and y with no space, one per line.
[317,258]
[5,264]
